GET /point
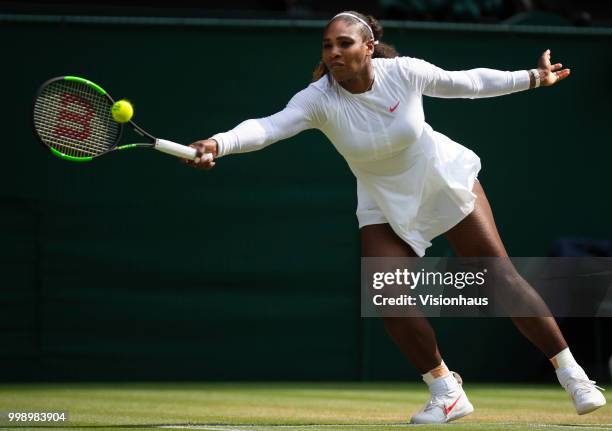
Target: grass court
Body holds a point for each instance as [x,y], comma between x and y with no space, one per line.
[289,407]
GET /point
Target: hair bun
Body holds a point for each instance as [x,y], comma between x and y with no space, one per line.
[375,26]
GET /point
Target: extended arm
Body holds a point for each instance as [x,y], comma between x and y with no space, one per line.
[251,135]
[475,83]
[434,81]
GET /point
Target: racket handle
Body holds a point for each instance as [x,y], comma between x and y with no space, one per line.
[178,150]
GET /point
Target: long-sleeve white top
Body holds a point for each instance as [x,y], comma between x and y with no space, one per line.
[417,180]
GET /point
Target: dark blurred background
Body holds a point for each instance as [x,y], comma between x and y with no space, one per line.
[134,267]
[537,12]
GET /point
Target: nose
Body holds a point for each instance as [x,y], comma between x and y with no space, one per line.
[335,51]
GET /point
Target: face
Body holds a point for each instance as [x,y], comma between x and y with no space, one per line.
[345,53]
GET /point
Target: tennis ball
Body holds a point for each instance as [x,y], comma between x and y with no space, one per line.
[122,111]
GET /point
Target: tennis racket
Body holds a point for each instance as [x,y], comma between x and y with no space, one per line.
[72,117]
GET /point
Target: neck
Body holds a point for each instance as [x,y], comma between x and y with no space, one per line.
[360,83]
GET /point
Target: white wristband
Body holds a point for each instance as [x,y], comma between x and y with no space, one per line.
[536,75]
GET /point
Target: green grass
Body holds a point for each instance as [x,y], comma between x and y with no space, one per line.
[292,406]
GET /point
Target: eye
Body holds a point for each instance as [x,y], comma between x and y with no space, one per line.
[326,45]
[345,43]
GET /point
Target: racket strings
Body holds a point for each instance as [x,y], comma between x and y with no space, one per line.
[48,125]
[75,119]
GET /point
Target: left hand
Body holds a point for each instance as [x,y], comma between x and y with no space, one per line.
[550,74]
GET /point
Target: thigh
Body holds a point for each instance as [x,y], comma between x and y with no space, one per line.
[379,240]
[476,235]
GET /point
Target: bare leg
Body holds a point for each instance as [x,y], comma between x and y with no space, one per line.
[413,335]
[477,236]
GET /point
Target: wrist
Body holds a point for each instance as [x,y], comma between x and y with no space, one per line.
[220,146]
[534,78]
[216,148]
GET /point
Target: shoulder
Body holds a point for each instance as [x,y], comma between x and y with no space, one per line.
[386,63]
[312,100]
[313,95]
[322,85]
[412,72]
[404,63]
[415,72]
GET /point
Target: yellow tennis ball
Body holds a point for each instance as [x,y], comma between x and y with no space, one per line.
[122,111]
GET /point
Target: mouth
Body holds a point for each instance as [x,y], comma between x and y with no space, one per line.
[335,65]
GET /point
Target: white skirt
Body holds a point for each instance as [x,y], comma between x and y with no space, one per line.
[421,192]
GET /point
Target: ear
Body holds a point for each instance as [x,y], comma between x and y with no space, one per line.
[370,47]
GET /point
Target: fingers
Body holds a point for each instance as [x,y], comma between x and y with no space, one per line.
[544,61]
[562,74]
[552,73]
[204,159]
[553,77]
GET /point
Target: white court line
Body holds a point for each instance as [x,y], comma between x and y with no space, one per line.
[201,427]
[251,426]
[606,427]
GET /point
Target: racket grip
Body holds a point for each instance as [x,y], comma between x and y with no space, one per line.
[178,150]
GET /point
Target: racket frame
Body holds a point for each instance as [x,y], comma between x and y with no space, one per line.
[114,145]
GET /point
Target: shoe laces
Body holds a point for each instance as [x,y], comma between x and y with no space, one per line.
[583,385]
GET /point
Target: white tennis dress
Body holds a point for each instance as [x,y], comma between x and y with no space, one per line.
[408,175]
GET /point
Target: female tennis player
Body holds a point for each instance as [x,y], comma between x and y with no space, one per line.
[413,183]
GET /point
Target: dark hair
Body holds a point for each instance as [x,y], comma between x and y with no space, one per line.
[382,50]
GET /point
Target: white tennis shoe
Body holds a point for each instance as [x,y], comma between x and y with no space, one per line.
[585,395]
[448,402]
